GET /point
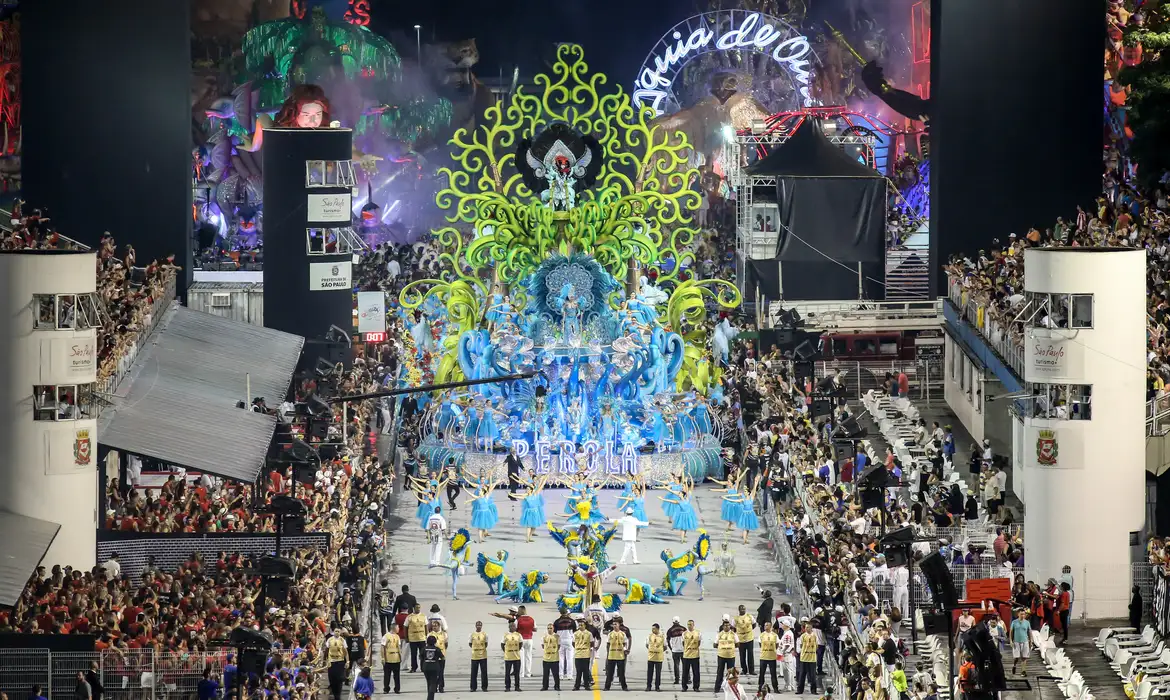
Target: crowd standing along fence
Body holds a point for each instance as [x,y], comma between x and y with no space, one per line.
[142,674]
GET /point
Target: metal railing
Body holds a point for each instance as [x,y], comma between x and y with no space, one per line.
[1010,349]
[864,315]
[158,308]
[141,674]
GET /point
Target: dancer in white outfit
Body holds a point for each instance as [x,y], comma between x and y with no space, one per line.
[786,656]
[901,598]
[436,528]
[629,525]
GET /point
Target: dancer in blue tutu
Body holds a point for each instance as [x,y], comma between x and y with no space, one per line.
[484,514]
[729,512]
[633,496]
[427,492]
[685,518]
[532,515]
[748,520]
[674,488]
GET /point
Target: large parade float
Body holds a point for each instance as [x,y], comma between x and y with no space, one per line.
[564,200]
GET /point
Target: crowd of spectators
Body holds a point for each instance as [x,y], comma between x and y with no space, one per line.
[127,293]
[192,609]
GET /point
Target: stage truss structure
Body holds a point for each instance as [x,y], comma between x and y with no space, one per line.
[871,140]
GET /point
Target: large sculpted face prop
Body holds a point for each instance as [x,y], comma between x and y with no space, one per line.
[310,115]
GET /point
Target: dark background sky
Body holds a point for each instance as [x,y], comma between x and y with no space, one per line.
[616,34]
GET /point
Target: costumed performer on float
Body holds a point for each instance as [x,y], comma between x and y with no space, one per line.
[532,507]
[492,571]
[460,555]
[641,592]
[685,518]
[526,589]
[673,582]
[306,108]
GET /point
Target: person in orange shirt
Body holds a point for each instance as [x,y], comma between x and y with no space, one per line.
[967,675]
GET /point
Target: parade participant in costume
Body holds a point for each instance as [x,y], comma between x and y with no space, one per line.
[428,495]
[585,541]
[633,496]
[732,499]
[484,514]
[685,518]
[726,560]
[532,514]
[526,590]
[748,521]
[640,592]
[492,571]
[460,555]
[673,581]
[674,489]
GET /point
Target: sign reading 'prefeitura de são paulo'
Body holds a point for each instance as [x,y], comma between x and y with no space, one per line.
[724,30]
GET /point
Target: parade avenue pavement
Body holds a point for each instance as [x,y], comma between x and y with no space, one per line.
[410,552]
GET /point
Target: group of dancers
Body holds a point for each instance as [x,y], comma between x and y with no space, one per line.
[584,531]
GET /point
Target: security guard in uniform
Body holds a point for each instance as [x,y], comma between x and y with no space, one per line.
[511,646]
[616,659]
[337,655]
[478,643]
[551,645]
[745,631]
[769,641]
[416,634]
[725,645]
[655,655]
[440,636]
[391,660]
[691,640]
[582,654]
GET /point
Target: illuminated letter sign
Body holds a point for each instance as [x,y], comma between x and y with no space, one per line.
[696,36]
[599,457]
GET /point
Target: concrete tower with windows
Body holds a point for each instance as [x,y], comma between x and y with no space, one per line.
[48,385]
[1080,446]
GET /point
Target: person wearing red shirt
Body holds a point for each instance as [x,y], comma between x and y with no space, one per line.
[1064,609]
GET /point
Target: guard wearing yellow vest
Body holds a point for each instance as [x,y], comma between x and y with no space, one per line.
[655,654]
[692,638]
[745,631]
[582,654]
[769,642]
[511,646]
[391,660]
[725,645]
[616,659]
[479,644]
[551,646]
[416,634]
[337,655]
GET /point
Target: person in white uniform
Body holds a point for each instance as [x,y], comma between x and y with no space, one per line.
[629,527]
[900,576]
[786,655]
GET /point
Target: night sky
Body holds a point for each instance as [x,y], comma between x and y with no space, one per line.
[616,34]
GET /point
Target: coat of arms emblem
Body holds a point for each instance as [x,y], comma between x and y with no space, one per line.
[1046,448]
[82,448]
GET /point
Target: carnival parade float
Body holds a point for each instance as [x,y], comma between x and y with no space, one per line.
[561,203]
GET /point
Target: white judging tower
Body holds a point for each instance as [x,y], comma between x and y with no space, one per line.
[1083,456]
[48,441]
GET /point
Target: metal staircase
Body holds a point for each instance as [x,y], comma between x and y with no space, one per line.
[908,273]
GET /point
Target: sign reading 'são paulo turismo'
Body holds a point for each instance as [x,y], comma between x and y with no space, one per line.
[725,30]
